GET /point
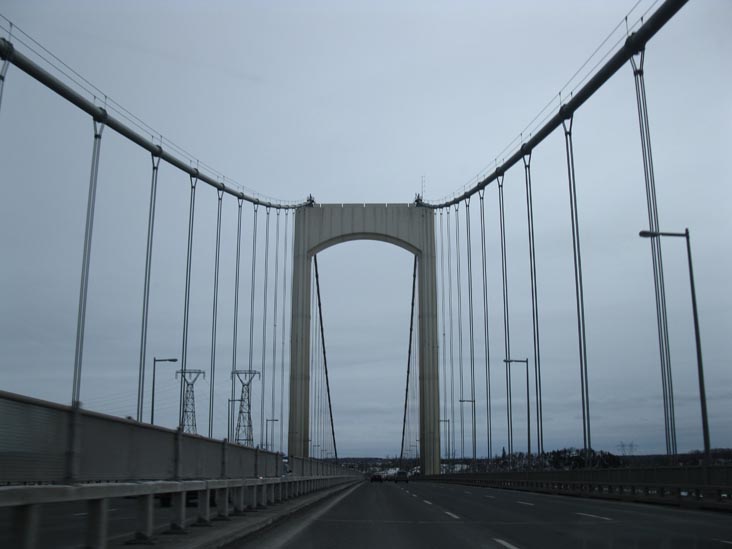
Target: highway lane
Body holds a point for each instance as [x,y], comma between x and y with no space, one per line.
[425,515]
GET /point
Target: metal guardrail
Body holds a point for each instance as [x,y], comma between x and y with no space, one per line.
[44,442]
[51,453]
[692,486]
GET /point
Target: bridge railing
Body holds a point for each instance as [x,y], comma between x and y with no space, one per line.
[44,442]
[695,486]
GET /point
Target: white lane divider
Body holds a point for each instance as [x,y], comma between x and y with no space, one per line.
[525,503]
[724,541]
[468,492]
[505,543]
[593,516]
[414,495]
[491,497]
[453,515]
[427,502]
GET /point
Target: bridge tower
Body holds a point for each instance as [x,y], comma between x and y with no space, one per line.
[409,226]
[188,418]
[244,433]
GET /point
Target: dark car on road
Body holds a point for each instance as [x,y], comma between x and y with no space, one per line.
[401,476]
[376,477]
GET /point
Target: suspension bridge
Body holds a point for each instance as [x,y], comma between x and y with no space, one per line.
[269,442]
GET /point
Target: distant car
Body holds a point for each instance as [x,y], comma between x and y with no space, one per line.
[376,477]
[401,476]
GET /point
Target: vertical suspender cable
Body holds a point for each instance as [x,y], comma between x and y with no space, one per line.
[187,294]
[251,298]
[506,319]
[262,422]
[86,257]
[444,343]
[460,329]
[313,370]
[274,325]
[212,386]
[230,409]
[658,278]
[325,358]
[452,354]
[282,353]
[534,304]
[579,294]
[489,433]
[409,359]
[471,322]
[146,290]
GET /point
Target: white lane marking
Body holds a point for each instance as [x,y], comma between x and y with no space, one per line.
[525,503]
[80,514]
[414,495]
[453,515]
[427,502]
[593,516]
[505,543]
[491,497]
[724,541]
[468,492]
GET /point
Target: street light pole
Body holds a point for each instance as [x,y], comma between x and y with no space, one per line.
[152,404]
[697,337]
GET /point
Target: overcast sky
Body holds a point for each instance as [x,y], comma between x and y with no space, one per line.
[358,102]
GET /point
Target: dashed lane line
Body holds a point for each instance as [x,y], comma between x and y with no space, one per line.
[453,515]
[525,503]
[593,516]
[724,541]
[491,497]
[427,502]
[505,543]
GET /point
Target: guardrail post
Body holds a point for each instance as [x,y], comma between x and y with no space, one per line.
[204,508]
[145,518]
[25,526]
[253,495]
[222,503]
[178,522]
[239,499]
[97,523]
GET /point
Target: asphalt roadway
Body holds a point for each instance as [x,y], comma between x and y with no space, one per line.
[426,515]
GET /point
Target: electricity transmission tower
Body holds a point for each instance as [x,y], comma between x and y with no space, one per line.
[244,433]
[188,414]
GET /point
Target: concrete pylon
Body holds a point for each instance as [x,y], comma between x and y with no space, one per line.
[408,226]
